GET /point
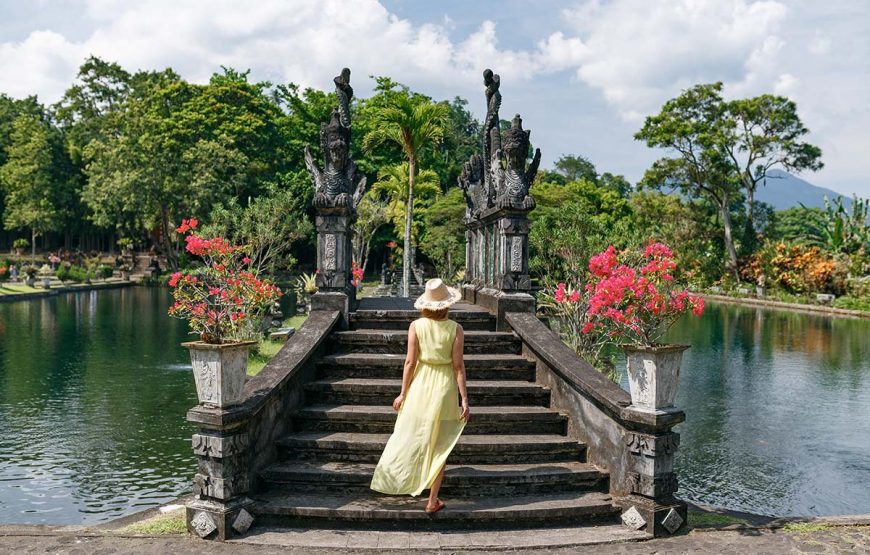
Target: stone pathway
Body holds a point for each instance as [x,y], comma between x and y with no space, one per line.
[841,539]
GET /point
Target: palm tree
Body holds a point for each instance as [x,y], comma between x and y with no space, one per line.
[412,122]
[393,185]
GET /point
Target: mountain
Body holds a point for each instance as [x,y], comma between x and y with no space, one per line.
[783,190]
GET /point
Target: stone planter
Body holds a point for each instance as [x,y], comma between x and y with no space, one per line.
[219,371]
[46,283]
[30,281]
[653,375]
[125,275]
[759,291]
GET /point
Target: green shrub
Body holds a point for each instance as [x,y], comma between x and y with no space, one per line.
[62,273]
[78,274]
[853,303]
[21,244]
[105,272]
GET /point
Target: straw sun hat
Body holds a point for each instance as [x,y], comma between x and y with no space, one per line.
[437,296]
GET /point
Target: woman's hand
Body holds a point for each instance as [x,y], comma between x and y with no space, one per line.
[465,412]
[397,404]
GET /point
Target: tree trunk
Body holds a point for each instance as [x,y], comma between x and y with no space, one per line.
[167,243]
[33,246]
[409,213]
[729,239]
[750,210]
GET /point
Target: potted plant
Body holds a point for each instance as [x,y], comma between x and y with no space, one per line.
[222,302]
[20,245]
[306,285]
[637,300]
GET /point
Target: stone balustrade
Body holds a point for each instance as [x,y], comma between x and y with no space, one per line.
[233,444]
[637,448]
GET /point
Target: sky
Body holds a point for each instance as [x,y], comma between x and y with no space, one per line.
[582,73]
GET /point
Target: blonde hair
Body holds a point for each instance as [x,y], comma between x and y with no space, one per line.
[435,313]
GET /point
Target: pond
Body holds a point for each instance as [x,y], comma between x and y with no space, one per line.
[94,388]
[777,411]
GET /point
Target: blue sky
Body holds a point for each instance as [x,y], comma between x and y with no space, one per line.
[583,73]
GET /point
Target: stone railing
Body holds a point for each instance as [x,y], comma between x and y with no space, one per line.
[636,448]
[233,444]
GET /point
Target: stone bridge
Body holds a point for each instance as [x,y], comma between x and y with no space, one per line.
[551,441]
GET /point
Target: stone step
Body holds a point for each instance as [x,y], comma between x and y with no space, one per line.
[282,507]
[382,418]
[470,449]
[472,319]
[470,480]
[380,391]
[396,341]
[390,365]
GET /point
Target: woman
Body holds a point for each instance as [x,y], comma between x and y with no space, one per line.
[429,421]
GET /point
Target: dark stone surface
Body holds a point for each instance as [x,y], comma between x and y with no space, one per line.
[637,449]
[233,444]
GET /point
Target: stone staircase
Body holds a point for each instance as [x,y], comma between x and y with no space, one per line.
[514,467]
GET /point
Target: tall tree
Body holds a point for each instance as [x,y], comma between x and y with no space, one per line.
[575,167]
[31,180]
[392,185]
[443,239]
[692,127]
[762,133]
[413,123]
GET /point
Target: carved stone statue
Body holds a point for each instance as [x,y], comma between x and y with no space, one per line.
[471,181]
[499,177]
[510,176]
[339,187]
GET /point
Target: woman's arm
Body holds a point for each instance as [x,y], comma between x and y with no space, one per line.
[459,369]
[410,365]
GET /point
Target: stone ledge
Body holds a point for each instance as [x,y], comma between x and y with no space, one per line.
[292,356]
[609,397]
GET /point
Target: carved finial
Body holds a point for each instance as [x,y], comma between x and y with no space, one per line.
[345,94]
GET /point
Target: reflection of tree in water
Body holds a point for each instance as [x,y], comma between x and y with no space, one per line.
[94,412]
[777,406]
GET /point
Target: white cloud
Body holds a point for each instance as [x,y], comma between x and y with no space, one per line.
[633,54]
[639,53]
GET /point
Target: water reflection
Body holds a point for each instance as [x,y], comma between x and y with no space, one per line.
[92,407]
[778,411]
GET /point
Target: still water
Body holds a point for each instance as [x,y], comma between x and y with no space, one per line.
[94,388]
[777,411]
[93,392]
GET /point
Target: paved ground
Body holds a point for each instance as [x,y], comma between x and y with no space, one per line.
[846,539]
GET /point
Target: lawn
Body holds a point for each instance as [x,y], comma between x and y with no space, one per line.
[266,348]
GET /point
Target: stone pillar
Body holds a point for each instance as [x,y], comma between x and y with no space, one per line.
[221,484]
[334,257]
[652,483]
[512,274]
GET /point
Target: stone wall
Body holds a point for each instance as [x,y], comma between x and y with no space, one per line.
[233,444]
[636,448]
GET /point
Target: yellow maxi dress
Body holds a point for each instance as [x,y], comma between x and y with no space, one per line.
[428,425]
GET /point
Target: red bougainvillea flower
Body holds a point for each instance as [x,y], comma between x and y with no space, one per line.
[636,303]
[220,299]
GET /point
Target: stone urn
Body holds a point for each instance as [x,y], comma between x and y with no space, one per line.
[30,281]
[46,283]
[219,371]
[653,375]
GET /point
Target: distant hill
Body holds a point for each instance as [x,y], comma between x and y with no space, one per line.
[783,190]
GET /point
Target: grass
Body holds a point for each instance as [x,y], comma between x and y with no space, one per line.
[703,519]
[266,349]
[169,523]
[17,289]
[805,527]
